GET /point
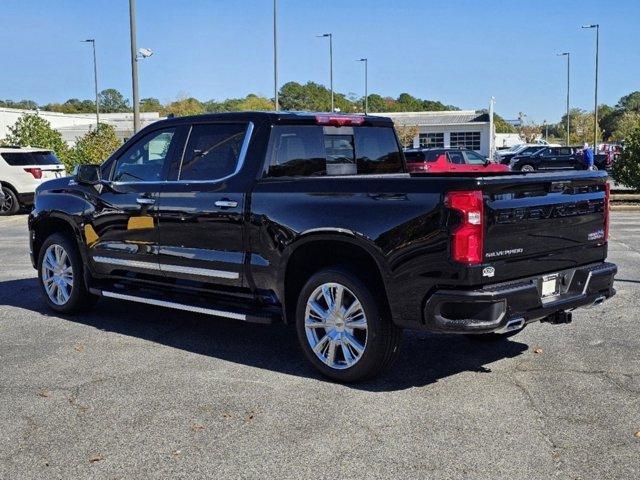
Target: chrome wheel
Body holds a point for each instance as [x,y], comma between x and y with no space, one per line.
[57,274]
[527,168]
[335,325]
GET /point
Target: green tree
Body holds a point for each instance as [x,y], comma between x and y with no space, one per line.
[630,102]
[73,105]
[502,126]
[150,105]
[32,130]
[626,124]
[626,170]
[581,127]
[22,104]
[111,100]
[94,147]
[183,107]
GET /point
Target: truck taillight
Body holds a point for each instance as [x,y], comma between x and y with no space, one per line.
[339,120]
[467,242]
[36,172]
[607,207]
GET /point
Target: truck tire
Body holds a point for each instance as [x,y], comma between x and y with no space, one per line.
[527,168]
[61,277]
[342,329]
[11,205]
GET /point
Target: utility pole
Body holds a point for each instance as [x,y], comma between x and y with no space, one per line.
[275,55]
[568,55]
[330,37]
[595,108]
[366,84]
[134,66]
[95,79]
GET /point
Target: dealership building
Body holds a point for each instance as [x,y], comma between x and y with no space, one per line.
[459,128]
[74,125]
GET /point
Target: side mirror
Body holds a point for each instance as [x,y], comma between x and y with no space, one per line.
[88,174]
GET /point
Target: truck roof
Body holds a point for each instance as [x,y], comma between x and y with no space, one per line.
[280,117]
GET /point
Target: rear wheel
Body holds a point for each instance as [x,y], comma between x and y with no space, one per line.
[61,276]
[342,330]
[10,206]
[527,168]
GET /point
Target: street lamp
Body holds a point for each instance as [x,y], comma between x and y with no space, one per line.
[275,55]
[330,37]
[366,82]
[546,130]
[92,41]
[134,66]
[568,55]
[595,110]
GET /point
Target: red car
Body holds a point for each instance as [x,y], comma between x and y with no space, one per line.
[438,160]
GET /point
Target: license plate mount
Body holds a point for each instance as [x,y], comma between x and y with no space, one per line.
[549,286]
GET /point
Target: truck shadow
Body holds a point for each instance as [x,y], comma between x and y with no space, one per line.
[424,358]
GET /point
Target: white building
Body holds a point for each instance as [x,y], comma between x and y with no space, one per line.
[74,125]
[459,128]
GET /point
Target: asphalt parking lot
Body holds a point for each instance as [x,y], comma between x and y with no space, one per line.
[131,391]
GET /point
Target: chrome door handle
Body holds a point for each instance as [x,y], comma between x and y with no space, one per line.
[145,201]
[226,204]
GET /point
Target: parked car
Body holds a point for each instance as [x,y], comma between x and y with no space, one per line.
[438,160]
[523,151]
[557,158]
[21,171]
[312,220]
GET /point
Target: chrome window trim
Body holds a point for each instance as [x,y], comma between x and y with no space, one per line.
[203,272]
[174,305]
[241,159]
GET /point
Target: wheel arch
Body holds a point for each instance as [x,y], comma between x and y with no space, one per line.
[53,222]
[316,250]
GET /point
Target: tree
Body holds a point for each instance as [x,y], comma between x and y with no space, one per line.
[581,127]
[406,133]
[184,106]
[626,169]
[32,130]
[94,147]
[626,124]
[73,105]
[111,100]
[150,105]
[630,102]
[22,104]
[502,126]
[529,133]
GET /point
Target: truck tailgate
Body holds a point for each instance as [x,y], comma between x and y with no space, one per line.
[535,214]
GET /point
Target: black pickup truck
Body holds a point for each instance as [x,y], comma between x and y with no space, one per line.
[312,220]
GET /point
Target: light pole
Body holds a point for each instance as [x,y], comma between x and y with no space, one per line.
[275,55]
[595,109]
[366,84]
[330,36]
[546,130]
[568,55]
[134,66]
[92,41]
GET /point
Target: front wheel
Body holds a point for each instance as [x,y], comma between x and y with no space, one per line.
[61,277]
[527,168]
[342,329]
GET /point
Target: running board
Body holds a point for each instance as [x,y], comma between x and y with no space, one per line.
[246,316]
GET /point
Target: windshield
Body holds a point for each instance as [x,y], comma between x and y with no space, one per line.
[30,158]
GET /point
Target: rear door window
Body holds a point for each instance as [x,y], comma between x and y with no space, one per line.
[30,158]
[300,150]
[212,151]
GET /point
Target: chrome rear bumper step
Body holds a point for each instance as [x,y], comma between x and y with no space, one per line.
[247,316]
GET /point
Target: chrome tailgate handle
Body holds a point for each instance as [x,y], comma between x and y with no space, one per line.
[145,201]
[226,204]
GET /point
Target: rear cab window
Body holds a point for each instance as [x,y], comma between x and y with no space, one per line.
[315,150]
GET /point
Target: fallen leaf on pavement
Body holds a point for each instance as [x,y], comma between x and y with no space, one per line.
[637,434]
[79,347]
[250,416]
[44,393]
[226,415]
[196,426]
[96,458]
[537,350]
[176,453]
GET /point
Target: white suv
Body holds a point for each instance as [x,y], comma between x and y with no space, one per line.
[21,171]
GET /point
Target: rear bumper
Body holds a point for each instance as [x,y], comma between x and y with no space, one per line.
[492,308]
[26,198]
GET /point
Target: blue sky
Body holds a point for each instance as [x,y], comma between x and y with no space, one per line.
[460,52]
